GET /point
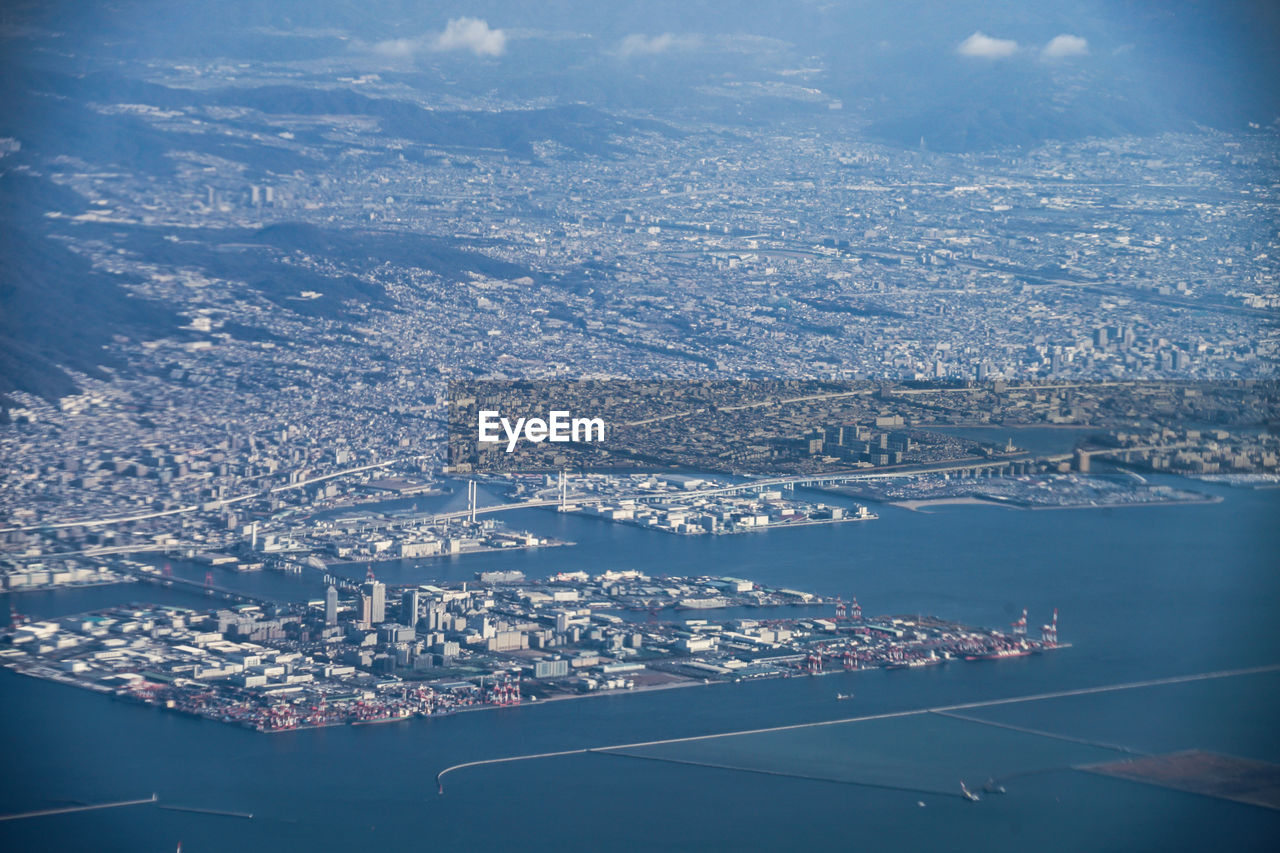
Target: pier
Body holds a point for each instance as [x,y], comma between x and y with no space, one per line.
[888,715]
[1039,733]
[214,812]
[73,809]
[764,771]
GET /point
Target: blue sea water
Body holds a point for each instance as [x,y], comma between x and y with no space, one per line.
[1144,592]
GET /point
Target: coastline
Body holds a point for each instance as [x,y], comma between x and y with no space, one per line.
[782,525]
[680,681]
[345,563]
[51,587]
[922,504]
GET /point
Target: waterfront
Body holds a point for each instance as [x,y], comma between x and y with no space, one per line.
[1162,592]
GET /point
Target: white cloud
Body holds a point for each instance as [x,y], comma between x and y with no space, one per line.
[1060,47]
[470,34]
[398,48]
[474,35]
[982,46]
[642,45]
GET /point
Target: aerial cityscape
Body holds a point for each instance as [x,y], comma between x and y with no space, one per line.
[372,364]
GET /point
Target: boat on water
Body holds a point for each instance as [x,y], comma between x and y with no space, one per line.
[701,603]
[967,794]
[373,721]
[842,696]
[915,664]
[1000,654]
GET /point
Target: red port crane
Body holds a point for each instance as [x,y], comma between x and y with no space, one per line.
[1049,633]
[1020,627]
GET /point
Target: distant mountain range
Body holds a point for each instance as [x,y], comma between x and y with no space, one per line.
[57,312]
[895,69]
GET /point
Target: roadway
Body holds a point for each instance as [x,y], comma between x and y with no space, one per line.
[210,505]
[211,588]
[788,482]
[734,488]
[970,464]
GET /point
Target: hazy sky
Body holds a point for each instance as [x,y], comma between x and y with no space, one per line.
[1007,72]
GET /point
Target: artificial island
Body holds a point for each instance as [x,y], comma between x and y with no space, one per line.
[374,653]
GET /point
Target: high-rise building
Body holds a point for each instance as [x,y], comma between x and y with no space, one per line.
[376,592]
[435,616]
[409,608]
[331,605]
[366,609]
